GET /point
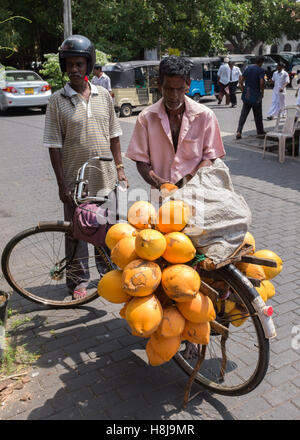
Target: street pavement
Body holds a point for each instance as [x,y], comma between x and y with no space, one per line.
[91,367]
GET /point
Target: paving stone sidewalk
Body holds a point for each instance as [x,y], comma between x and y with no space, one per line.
[91,366]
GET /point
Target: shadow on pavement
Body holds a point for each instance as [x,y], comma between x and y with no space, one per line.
[91,367]
[244,162]
[20,111]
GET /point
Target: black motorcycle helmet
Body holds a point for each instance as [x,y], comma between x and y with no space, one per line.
[77,45]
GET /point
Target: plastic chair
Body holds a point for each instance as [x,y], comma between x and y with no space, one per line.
[286,131]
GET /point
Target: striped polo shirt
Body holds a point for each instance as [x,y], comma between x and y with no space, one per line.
[83,130]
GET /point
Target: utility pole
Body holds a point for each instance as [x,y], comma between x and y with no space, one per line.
[67,18]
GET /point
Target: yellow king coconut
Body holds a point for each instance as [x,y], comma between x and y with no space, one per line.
[150,244]
[180,282]
[179,249]
[173,216]
[270,272]
[269,287]
[124,252]
[249,239]
[141,277]
[144,315]
[110,287]
[172,323]
[117,232]
[142,214]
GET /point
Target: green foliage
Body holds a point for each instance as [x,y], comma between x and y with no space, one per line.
[52,73]
[266,21]
[9,50]
[16,358]
[102,57]
[39,31]
[124,28]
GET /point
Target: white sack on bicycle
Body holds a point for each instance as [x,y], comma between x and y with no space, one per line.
[221,217]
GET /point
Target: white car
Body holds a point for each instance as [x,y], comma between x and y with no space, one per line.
[24,88]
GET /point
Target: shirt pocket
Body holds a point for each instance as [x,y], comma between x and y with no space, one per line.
[191,149]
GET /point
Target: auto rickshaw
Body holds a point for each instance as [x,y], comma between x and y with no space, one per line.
[203,76]
[134,84]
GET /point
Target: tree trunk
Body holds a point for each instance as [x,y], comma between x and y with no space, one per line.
[241,45]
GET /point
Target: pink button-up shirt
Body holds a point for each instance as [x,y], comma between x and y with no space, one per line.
[199,139]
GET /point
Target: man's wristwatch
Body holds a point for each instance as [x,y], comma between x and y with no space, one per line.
[120,166]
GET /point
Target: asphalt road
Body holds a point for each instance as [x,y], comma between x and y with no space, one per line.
[83,375]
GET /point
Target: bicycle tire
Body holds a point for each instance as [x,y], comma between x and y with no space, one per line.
[229,386]
[14,250]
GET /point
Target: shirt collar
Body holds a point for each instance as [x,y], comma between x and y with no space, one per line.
[192,108]
[69,92]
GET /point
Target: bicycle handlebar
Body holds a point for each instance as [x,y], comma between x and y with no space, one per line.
[81,182]
[105,159]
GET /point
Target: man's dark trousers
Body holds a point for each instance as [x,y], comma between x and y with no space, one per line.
[232,90]
[257,112]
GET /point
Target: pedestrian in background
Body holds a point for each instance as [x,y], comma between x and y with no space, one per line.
[297,92]
[81,123]
[298,97]
[252,85]
[280,79]
[100,78]
[223,76]
[235,77]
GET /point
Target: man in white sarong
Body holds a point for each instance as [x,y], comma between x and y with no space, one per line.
[280,79]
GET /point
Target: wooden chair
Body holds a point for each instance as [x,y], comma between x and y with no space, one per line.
[284,132]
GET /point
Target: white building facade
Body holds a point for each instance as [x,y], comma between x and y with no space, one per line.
[281,45]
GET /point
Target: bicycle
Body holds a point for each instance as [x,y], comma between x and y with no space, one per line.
[236,358]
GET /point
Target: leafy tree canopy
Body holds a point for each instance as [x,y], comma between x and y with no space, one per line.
[124,28]
[267,20]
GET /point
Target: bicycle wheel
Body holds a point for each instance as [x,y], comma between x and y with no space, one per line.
[35,265]
[247,349]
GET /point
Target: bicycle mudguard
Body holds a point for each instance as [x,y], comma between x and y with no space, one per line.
[263,312]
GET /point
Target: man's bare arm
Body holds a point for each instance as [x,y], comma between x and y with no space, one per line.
[115,148]
[241,82]
[206,163]
[262,86]
[56,161]
[149,176]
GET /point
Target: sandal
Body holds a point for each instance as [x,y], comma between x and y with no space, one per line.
[79,293]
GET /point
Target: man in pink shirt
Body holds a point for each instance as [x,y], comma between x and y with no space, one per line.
[175,136]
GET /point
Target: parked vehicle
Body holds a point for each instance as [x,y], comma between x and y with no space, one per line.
[134,84]
[24,88]
[268,64]
[3,105]
[203,77]
[291,61]
[293,58]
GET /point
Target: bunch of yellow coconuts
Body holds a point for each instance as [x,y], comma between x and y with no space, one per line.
[160,293]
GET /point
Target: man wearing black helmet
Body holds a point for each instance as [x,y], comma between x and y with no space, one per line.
[81,123]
